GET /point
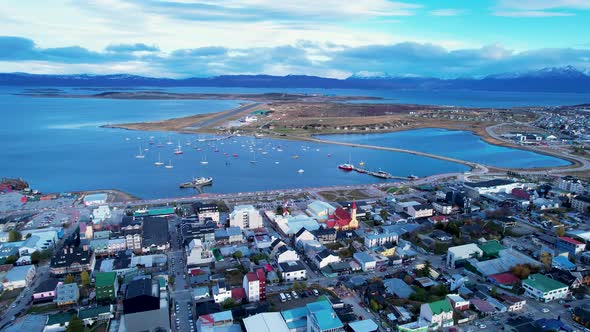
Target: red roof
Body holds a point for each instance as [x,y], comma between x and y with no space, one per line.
[570,240]
[238,293]
[268,267]
[439,218]
[261,275]
[505,278]
[251,276]
[353,205]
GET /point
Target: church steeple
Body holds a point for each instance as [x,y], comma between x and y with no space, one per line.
[354,223]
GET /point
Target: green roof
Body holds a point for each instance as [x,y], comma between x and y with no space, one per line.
[440,306]
[93,312]
[105,279]
[543,283]
[491,248]
[60,318]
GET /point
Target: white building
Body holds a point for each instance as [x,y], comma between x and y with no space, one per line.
[463,252]
[19,277]
[133,241]
[220,292]
[581,203]
[197,253]
[438,314]
[544,289]
[286,254]
[492,186]
[266,322]
[420,211]
[293,271]
[375,240]
[442,208]
[366,262]
[245,217]
[325,257]
[95,199]
[101,213]
[570,184]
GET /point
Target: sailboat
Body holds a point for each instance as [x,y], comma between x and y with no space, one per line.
[253,161]
[140,155]
[204,161]
[178,150]
[300,171]
[159,162]
[169,164]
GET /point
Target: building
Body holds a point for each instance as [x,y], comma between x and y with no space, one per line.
[220,291]
[571,184]
[513,303]
[19,277]
[581,203]
[155,235]
[95,199]
[292,271]
[437,314]
[107,286]
[342,220]
[417,326]
[198,254]
[46,291]
[581,314]
[325,235]
[420,211]
[71,260]
[569,245]
[100,214]
[289,224]
[398,288]
[457,302]
[442,208]
[320,210]
[544,289]
[229,235]
[325,257]
[254,284]
[217,322]
[67,294]
[245,217]
[286,254]
[366,262]
[365,325]
[207,211]
[265,322]
[93,315]
[492,187]
[321,317]
[375,240]
[145,307]
[462,253]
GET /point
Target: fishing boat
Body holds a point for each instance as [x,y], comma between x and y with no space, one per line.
[362,163]
[159,162]
[381,174]
[178,150]
[140,155]
[169,165]
[346,167]
[198,182]
[295,157]
[300,171]
[235,155]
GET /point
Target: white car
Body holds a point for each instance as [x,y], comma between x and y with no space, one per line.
[545,310]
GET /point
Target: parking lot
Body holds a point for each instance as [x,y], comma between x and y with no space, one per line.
[304,297]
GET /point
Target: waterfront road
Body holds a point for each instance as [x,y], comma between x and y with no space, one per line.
[224,116]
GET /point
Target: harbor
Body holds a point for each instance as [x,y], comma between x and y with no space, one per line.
[378,174]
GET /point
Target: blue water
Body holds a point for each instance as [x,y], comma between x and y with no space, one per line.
[458,144]
[57,145]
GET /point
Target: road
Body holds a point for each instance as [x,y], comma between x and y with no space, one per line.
[181,318]
[224,116]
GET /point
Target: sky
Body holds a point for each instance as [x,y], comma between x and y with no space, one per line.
[329,38]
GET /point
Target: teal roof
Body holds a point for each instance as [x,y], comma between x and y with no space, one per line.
[93,312]
[324,315]
[294,314]
[297,324]
[440,306]
[543,283]
[59,318]
[363,325]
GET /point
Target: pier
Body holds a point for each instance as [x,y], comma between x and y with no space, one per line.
[380,174]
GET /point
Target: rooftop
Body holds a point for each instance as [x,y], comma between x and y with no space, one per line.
[440,306]
[490,183]
[105,279]
[543,283]
[265,322]
[570,240]
[365,325]
[324,314]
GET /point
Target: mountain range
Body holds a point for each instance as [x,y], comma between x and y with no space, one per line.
[562,79]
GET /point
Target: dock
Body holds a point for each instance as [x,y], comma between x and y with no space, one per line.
[379,174]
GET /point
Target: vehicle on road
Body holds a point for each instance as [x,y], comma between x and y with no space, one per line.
[545,310]
[295,296]
[283,297]
[316,293]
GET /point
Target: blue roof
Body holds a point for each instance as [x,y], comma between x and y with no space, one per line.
[222,316]
[363,257]
[365,325]
[564,262]
[398,287]
[325,315]
[294,314]
[295,223]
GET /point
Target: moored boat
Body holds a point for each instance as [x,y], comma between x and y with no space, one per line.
[198,182]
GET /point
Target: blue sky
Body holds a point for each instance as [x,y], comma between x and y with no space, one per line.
[332,38]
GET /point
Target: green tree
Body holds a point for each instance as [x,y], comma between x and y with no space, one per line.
[228,303]
[28,235]
[14,236]
[171,280]
[238,254]
[375,306]
[384,214]
[10,259]
[46,254]
[69,279]
[560,231]
[36,257]
[85,278]
[494,292]
[440,290]
[75,325]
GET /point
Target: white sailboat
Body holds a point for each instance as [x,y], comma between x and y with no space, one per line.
[204,161]
[159,162]
[253,161]
[300,171]
[169,164]
[169,141]
[140,155]
[178,150]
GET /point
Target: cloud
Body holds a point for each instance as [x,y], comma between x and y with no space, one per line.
[447,12]
[539,8]
[129,48]
[302,57]
[531,13]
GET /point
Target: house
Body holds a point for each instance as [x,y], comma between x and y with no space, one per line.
[366,262]
[207,211]
[581,203]
[544,289]
[491,187]
[217,322]
[562,263]
[198,253]
[325,257]
[145,307]
[58,322]
[286,254]
[569,245]
[229,235]
[107,286]
[457,302]
[442,208]
[365,325]
[92,315]
[220,291]
[462,253]
[513,303]
[71,260]
[398,288]
[245,217]
[325,235]
[320,210]
[46,290]
[437,314]
[254,284]
[200,293]
[19,277]
[375,240]
[303,235]
[420,211]
[417,326]
[265,322]
[292,271]
[504,280]
[321,317]
[342,219]
[155,235]
[67,294]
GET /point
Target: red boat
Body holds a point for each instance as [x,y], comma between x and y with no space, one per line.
[346,167]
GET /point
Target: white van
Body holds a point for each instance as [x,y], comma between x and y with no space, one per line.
[283,298]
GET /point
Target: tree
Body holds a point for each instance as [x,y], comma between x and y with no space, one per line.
[28,235]
[46,254]
[440,290]
[14,236]
[75,325]
[10,259]
[238,254]
[171,280]
[69,279]
[494,292]
[560,231]
[546,259]
[228,303]
[384,214]
[375,306]
[521,271]
[36,257]
[85,278]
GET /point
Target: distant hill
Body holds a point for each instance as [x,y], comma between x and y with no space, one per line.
[563,79]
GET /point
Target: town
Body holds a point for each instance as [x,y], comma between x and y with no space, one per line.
[486,254]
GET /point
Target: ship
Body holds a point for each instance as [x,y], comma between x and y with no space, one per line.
[382,174]
[346,167]
[198,182]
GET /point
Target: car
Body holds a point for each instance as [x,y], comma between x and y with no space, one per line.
[13,306]
[316,293]
[482,326]
[567,305]
[368,310]
[295,296]
[545,310]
